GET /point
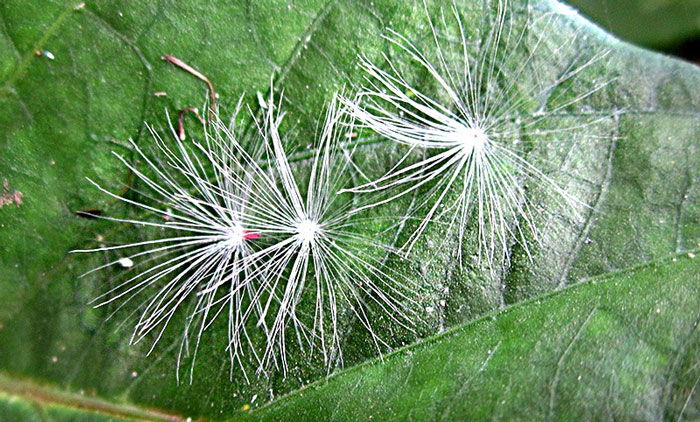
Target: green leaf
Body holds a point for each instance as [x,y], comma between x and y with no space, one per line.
[601,349]
[63,116]
[24,401]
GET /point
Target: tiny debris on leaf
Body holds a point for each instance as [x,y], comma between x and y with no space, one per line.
[126,262]
[10,196]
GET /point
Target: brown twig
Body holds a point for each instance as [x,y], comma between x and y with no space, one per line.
[180,126]
[184,66]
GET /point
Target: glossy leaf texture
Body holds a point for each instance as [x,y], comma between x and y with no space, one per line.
[603,349]
[78,79]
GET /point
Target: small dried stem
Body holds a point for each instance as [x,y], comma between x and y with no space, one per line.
[184,66]
[180,126]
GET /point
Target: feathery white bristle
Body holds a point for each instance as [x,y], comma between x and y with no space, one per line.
[240,238]
[319,268]
[471,172]
[204,247]
[245,236]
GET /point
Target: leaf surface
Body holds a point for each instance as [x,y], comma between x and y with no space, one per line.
[63,116]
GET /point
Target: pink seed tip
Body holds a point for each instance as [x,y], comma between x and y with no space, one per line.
[250,235]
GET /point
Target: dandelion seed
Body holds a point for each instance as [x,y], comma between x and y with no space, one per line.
[469,129]
[318,267]
[238,237]
[204,258]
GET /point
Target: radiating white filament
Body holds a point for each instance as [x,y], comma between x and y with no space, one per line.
[468,131]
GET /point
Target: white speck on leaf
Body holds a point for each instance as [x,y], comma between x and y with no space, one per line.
[126,262]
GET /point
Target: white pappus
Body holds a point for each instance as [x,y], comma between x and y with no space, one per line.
[321,266]
[242,234]
[203,245]
[469,129]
